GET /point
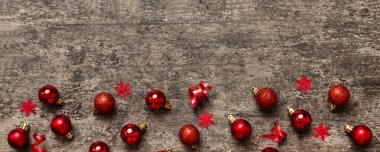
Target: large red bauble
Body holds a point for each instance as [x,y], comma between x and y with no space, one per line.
[361,135]
[61,125]
[155,99]
[301,120]
[266,98]
[99,146]
[269,149]
[104,103]
[49,95]
[18,138]
[241,129]
[189,135]
[339,95]
[131,134]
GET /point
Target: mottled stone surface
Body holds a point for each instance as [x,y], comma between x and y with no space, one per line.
[87,46]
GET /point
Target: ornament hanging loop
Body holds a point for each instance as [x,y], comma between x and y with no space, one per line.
[347,128]
[254,90]
[290,111]
[231,119]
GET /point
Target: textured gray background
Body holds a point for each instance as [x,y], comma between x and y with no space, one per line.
[87,46]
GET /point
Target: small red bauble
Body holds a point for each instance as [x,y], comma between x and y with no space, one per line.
[189,135]
[240,128]
[360,134]
[49,95]
[99,146]
[156,100]
[18,138]
[300,119]
[266,97]
[269,149]
[131,133]
[104,103]
[61,126]
[339,95]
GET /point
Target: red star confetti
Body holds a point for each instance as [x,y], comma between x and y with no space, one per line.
[277,133]
[28,107]
[304,84]
[123,89]
[321,131]
[205,120]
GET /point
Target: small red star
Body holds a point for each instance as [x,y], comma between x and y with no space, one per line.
[322,131]
[205,120]
[28,107]
[304,84]
[123,90]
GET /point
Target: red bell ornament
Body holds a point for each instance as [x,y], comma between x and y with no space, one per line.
[156,100]
[49,96]
[18,138]
[131,133]
[266,97]
[104,103]
[339,96]
[269,149]
[189,135]
[300,119]
[361,135]
[240,128]
[61,126]
[99,146]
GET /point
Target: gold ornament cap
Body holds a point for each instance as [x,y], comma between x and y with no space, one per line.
[348,128]
[142,127]
[169,149]
[231,119]
[168,106]
[60,102]
[254,90]
[25,126]
[331,106]
[290,111]
[70,135]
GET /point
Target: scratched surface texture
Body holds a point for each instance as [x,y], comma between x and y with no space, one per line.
[87,46]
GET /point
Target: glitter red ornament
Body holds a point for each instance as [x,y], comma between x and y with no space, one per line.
[339,95]
[199,93]
[300,119]
[266,97]
[99,146]
[104,103]
[61,126]
[18,138]
[156,100]
[189,135]
[240,128]
[269,149]
[360,134]
[131,133]
[49,95]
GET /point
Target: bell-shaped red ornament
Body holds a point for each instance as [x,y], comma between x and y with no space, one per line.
[18,138]
[131,133]
[240,128]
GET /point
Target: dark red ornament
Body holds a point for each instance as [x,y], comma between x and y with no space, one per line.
[99,146]
[339,95]
[18,138]
[269,149]
[156,100]
[189,135]
[360,134]
[240,128]
[131,133]
[61,126]
[266,97]
[104,103]
[300,119]
[49,95]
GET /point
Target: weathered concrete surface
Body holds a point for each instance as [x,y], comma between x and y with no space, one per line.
[87,46]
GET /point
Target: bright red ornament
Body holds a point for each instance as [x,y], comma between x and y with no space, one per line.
[18,138]
[49,95]
[269,149]
[104,103]
[156,100]
[278,133]
[131,133]
[240,128]
[199,93]
[339,95]
[300,119]
[61,126]
[360,134]
[189,135]
[266,97]
[99,146]
[28,107]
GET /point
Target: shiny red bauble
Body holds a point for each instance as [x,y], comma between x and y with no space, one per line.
[99,146]
[18,138]
[361,135]
[189,135]
[61,126]
[269,149]
[131,133]
[338,95]
[104,103]
[266,98]
[49,95]
[300,120]
[156,100]
[241,129]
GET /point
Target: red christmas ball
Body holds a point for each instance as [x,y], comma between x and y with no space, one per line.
[49,95]
[241,129]
[269,149]
[104,103]
[361,135]
[301,120]
[339,95]
[266,98]
[131,134]
[61,125]
[18,138]
[189,135]
[156,99]
[99,146]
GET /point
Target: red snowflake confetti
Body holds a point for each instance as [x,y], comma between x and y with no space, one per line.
[304,84]
[28,107]
[205,120]
[277,133]
[123,89]
[321,131]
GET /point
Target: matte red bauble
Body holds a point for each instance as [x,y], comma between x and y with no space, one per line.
[339,95]
[99,146]
[18,138]
[156,99]
[300,119]
[189,135]
[266,97]
[49,95]
[104,103]
[61,126]
[269,149]
[131,133]
[360,134]
[240,128]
